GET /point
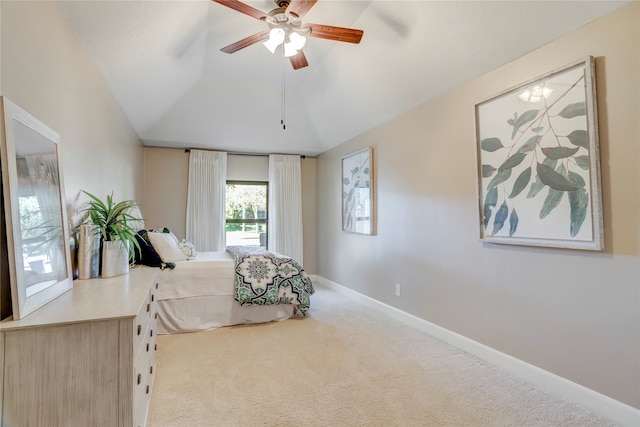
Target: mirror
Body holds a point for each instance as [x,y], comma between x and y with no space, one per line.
[37,236]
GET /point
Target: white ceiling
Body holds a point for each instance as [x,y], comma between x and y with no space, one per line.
[161,60]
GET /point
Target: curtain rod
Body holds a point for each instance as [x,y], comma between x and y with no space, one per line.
[238,153]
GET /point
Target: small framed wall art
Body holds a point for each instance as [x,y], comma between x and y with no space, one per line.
[538,162]
[357,192]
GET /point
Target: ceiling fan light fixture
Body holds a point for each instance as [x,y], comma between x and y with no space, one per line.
[286,27]
[296,42]
[276,37]
[289,50]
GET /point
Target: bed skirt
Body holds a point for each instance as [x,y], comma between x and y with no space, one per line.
[202,313]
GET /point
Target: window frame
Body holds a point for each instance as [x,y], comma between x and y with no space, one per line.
[256,221]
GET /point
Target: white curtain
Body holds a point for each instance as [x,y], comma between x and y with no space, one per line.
[205,200]
[285,206]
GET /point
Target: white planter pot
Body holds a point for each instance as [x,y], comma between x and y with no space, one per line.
[115,259]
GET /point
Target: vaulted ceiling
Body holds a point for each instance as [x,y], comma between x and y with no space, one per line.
[162,61]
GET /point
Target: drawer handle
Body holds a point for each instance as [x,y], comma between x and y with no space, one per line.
[153,296]
[156,285]
[155,346]
[148,307]
[151,369]
[147,346]
[151,333]
[156,316]
[147,389]
[139,329]
[139,378]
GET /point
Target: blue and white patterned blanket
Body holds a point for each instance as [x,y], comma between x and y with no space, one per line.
[264,277]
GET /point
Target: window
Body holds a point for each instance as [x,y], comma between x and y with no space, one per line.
[246,213]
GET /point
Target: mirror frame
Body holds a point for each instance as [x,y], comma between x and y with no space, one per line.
[22,304]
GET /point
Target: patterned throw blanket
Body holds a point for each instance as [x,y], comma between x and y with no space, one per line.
[264,277]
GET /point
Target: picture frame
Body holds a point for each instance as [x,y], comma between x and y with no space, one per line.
[36,222]
[357,192]
[538,162]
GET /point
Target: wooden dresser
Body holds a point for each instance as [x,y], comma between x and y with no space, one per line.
[86,358]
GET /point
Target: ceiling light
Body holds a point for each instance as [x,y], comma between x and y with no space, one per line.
[289,50]
[276,37]
[297,41]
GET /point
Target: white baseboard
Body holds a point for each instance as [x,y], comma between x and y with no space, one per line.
[597,402]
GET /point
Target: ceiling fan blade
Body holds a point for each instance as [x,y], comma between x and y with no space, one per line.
[298,60]
[300,7]
[243,8]
[247,41]
[340,34]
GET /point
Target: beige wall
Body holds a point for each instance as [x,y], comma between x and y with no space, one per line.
[247,168]
[573,313]
[46,71]
[165,191]
[166,172]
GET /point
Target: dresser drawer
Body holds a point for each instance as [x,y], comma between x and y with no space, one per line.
[140,383]
[144,376]
[144,361]
[142,395]
[141,323]
[142,410]
[153,350]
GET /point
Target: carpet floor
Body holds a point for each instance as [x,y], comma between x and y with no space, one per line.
[344,365]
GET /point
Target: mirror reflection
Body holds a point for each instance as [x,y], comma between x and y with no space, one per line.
[43,261]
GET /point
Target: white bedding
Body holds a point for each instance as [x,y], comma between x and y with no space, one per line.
[211,312]
[198,295]
[210,273]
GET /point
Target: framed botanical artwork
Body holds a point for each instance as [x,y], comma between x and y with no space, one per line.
[538,162]
[36,222]
[357,192]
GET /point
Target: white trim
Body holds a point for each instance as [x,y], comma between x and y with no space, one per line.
[597,402]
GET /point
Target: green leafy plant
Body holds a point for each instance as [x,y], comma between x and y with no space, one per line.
[112,221]
[551,161]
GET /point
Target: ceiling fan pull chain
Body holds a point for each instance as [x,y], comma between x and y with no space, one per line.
[282,110]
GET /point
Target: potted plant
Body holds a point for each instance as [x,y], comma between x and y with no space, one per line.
[112,222]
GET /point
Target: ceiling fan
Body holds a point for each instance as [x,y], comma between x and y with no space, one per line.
[286,28]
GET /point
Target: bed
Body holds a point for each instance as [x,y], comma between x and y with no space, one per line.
[234,287]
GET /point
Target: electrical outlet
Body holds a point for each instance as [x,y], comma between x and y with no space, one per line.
[398,289]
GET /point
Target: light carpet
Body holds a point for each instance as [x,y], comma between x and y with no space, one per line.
[344,365]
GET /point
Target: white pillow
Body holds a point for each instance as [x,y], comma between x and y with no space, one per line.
[166,231]
[188,248]
[167,247]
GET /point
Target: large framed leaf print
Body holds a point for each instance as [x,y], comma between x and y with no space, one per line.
[538,162]
[357,195]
